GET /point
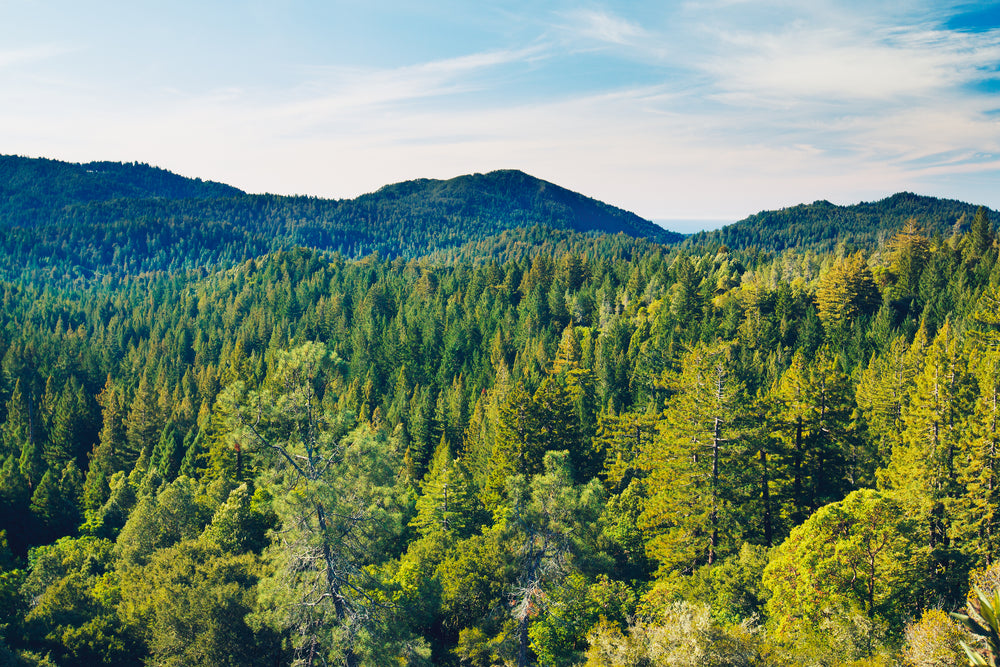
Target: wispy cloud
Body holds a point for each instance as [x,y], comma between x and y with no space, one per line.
[31,54]
[707,108]
[603,26]
[330,92]
[832,65]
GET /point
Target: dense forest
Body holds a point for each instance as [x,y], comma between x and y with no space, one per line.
[822,225]
[540,446]
[90,222]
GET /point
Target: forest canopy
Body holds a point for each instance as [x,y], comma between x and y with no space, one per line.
[542,446]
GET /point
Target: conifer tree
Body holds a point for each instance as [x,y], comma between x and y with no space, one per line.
[979,238]
[546,530]
[813,420]
[17,429]
[445,504]
[977,511]
[695,465]
[15,498]
[924,468]
[112,450]
[845,292]
[144,422]
[32,463]
[883,392]
[909,251]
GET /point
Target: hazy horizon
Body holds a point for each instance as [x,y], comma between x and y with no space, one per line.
[686,110]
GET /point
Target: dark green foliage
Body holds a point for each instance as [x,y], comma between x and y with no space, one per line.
[67,221]
[505,438]
[822,225]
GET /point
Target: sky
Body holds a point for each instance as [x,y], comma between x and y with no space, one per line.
[701,111]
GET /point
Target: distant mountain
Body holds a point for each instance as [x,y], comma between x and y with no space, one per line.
[517,199]
[34,190]
[93,219]
[822,225]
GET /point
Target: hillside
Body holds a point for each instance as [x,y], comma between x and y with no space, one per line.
[73,221]
[36,191]
[822,225]
[572,447]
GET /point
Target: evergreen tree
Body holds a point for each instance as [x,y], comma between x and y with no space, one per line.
[15,498]
[17,429]
[445,504]
[977,510]
[923,468]
[845,292]
[694,467]
[979,239]
[813,421]
[547,528]
[144,422]
[112,453]
[908,252]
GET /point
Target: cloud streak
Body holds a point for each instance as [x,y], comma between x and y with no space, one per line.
[707,110]
[20,57]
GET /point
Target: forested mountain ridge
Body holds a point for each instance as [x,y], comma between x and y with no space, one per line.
[522,200]
[36,190]
[822,225]
[539,447]
[99,219]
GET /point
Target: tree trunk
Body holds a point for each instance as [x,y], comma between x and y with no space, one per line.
[716,441]
[765,494]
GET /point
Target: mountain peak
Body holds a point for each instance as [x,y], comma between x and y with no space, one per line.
[822,225]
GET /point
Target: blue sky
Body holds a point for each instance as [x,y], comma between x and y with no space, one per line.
[704,109]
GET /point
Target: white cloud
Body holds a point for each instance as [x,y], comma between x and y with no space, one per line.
[743,118]
[602,26]
[835,66]
[13,58]
[333,92]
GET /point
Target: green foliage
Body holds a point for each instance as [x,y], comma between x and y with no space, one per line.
[680,634]
[190,604]
[858,554]
[846,292]
[122,219]
[695,465]
[983,621]
[821,226]
[178,512]
[291,454]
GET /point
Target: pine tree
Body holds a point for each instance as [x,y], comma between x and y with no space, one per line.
[446,503]
[845,292]
[515,450]
[15,498]
[144,422]
[813,421]
[977,511]
[979,239]
[883,392]
[32,464]
[923,468]
[112,451]
[694,466]
[17,429]
[909,251]
[622,440]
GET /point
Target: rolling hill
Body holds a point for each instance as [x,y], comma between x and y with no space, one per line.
[84,220]
[822,225]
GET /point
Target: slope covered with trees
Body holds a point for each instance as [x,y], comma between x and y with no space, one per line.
[822,225]
[80,222]
[541,447]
